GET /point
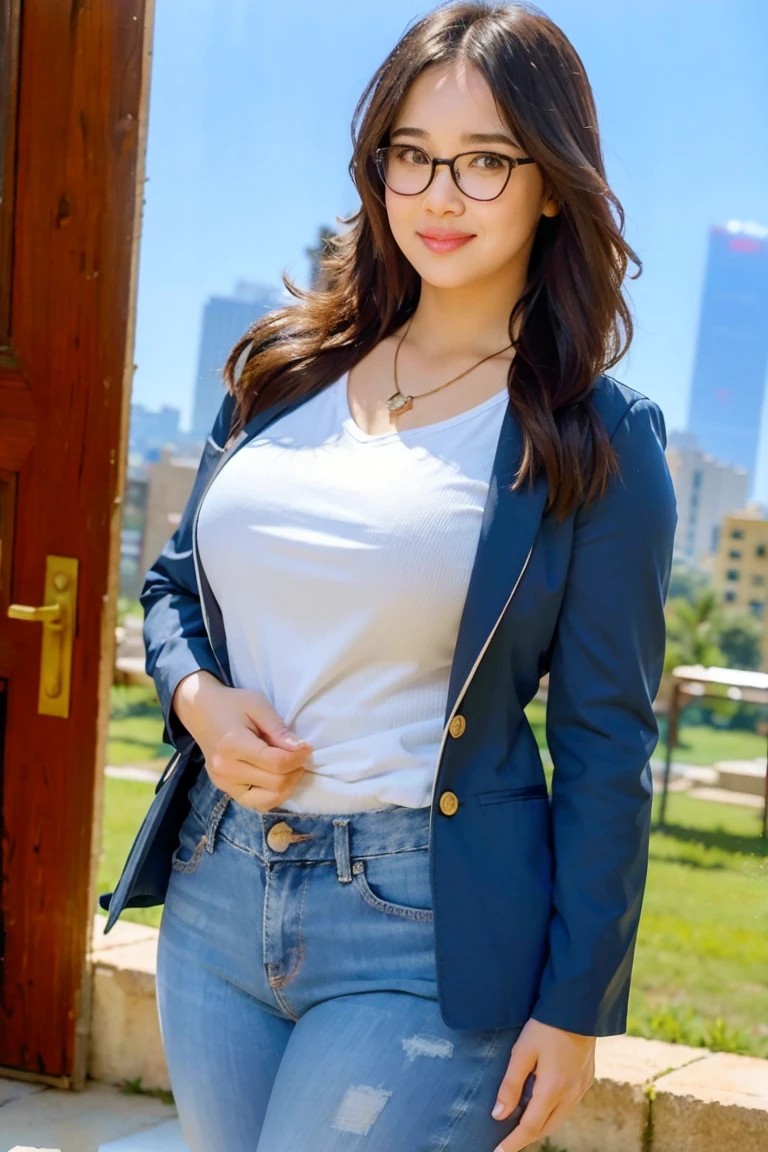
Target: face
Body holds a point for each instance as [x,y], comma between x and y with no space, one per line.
[447,104]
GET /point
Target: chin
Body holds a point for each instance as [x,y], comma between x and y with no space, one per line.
[445,277]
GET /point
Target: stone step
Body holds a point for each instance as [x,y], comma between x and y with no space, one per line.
[727,796]
[741,776]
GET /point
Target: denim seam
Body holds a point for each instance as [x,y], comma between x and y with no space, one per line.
[472,1089]
[214,819]
[222,834]
[300,944]
[191,865]
[241,847]
[422,915]
[283,1003]
[393,852]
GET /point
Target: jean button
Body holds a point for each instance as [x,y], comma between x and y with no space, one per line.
[280,836]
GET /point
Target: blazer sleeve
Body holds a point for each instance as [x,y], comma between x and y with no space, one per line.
[606,666]
[175,637]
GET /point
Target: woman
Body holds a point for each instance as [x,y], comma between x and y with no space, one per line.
[421,494]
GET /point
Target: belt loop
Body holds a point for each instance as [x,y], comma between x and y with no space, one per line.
[214,820]
[341,849]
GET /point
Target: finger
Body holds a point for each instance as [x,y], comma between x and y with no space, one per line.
[535,1116]
[271,723]
[273,783]
[557,1117]
[254,750]
[262,799]
[517,1085]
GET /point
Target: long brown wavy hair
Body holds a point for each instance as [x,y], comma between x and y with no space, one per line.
[574,322]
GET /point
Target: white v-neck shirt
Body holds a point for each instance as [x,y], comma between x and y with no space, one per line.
[341,562]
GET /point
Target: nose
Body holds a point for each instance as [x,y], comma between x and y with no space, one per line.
[443,188]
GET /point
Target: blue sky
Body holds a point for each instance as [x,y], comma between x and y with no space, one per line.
[681,89]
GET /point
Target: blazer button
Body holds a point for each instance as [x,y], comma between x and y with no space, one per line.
[457,725]
[449,803]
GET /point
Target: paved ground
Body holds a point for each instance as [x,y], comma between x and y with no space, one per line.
[99,1119]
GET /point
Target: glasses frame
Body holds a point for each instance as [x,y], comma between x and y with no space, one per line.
[379,158]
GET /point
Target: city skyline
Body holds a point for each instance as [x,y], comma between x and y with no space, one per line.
[211,217]
[224,320]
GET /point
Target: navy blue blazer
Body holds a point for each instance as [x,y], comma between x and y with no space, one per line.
[536,899]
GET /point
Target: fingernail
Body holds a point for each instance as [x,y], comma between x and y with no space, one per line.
[293,740]
[497,1110]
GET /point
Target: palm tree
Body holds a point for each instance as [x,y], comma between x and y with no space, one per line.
[693,629]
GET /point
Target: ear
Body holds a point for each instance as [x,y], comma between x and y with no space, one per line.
[552,204]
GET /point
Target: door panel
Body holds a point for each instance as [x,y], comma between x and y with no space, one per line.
[75,97]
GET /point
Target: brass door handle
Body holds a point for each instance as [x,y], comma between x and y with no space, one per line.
[49,613]
[58,619]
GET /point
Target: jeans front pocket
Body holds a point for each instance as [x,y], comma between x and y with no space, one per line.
[191,846]
[396,883]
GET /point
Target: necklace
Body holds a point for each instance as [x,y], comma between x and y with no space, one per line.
[400,402]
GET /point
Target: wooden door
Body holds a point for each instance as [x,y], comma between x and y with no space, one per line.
[74,85]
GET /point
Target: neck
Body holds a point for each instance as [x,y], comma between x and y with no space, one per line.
[463,323]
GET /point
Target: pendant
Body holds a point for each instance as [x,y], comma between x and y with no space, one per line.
[398,403]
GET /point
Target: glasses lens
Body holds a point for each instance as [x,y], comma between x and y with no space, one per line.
[482,174]
[406,170]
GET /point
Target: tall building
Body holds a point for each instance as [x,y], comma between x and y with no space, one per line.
[741,565]
[225,319]
[149,430]
[706,490]
[732,348]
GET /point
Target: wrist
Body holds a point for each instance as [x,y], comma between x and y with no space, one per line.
[192,694]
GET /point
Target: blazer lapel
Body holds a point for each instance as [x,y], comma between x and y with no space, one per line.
[510,524]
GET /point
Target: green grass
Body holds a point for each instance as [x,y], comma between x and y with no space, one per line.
[702,954]
[125,805]
[702,744]
[135,726]
[699,976]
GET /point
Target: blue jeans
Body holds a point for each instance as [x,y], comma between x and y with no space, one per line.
[297,993]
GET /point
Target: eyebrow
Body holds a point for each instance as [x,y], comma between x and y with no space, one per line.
[466,137]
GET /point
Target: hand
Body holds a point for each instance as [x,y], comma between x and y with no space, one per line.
[243,740]
[565,1071]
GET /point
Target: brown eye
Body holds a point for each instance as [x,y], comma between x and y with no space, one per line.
[410,155]
[496,163]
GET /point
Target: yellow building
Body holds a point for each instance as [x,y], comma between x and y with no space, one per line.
[741,565]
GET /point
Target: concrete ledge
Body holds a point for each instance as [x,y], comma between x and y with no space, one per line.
[648,1096]
[719,1102]
[614,1115]
[125,1031]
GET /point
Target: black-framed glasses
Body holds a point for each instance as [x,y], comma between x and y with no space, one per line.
[409,170]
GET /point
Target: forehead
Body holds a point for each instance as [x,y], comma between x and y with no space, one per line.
[449,99]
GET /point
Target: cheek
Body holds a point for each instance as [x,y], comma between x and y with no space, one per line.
[402,219]
[508,231]
[508,223]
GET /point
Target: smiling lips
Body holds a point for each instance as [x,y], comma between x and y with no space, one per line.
[445,241]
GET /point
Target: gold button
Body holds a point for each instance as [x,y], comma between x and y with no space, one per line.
[457,725]
[280,836]
[449,803]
